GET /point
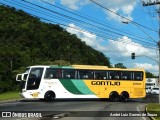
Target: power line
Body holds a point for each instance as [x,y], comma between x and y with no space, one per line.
[149,14]
[88,32]
[75,19]
[67,26]
[93,20]
[122,16]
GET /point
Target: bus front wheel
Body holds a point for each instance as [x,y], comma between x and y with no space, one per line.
[114,97]
[124,96]
[49,96]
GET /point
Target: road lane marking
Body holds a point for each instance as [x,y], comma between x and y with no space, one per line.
[140,112]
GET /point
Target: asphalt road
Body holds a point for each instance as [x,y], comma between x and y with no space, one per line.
[86,109]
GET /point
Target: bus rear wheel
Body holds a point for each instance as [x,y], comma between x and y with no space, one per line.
[49,96]
[114,97]
[124,96]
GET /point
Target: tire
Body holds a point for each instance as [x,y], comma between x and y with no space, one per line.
[49,96]
[124,97]
[114,97]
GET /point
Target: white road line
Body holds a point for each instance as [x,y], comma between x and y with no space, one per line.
[140,112]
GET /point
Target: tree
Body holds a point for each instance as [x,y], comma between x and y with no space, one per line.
[26,40]
[56,62]
[119,65]
[150,75]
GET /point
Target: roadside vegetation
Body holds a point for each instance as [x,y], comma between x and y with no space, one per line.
[154,109]
[9,95]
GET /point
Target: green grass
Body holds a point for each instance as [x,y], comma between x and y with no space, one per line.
[9,95]
[154,108]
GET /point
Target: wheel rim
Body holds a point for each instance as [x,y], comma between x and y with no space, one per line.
[124,97]
[50,97]
[114,97]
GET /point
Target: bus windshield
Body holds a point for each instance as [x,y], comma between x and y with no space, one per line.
[34,78]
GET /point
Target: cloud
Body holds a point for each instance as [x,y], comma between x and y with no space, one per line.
[122,7]
[147,66]
[116,49]
[74,4]
[124,46]
[89,38]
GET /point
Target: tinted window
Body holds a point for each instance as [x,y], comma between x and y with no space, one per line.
[85,74]
[101,75]
[137,75]
[126,75]
[52,73]
[69,73]
[114,75]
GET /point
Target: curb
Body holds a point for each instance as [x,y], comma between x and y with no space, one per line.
[9,101]
[152,118]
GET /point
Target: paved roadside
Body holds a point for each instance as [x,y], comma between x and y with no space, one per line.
[12,100]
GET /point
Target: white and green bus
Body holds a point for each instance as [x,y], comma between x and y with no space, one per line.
[82,81]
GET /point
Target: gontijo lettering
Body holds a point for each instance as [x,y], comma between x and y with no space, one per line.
[105,83]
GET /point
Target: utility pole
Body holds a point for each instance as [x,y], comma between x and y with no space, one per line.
[149,3]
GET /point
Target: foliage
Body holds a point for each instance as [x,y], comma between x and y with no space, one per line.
[9,95]
[119,65]
[154,108]
[26,40]
[150,75]
[57,62]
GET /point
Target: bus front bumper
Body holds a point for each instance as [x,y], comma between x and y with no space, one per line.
[29,94]
[21,95]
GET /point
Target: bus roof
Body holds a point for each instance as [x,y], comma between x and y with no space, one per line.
[89,67]
[103,67]
[96,67]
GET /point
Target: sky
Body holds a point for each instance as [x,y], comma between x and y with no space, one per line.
[115,27]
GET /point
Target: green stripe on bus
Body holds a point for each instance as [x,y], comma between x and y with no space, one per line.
[82,87]
[68,84]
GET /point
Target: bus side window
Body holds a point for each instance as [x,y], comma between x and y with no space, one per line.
[124,77]
[138,76]
[52,73]
[116,77]
[59,73]
[67,76]
[69,73]
[85,74]
[51,76]
[100,75]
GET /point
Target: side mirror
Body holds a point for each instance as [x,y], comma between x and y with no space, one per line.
[24,76]
[19,77]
